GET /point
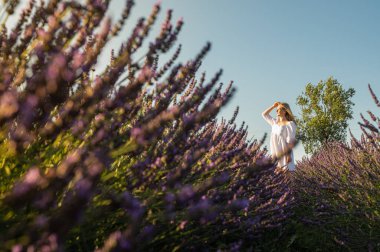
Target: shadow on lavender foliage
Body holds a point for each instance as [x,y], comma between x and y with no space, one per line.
[130,159]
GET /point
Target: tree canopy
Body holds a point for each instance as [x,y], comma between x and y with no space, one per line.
[325,110]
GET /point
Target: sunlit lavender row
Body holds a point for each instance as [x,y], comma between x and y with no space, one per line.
[338,192]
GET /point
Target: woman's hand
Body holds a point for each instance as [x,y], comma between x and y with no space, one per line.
[288,158]
[276,104]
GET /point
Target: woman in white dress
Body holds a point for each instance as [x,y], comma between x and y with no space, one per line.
[283,135]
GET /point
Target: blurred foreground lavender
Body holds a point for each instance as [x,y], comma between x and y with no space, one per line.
[130,159]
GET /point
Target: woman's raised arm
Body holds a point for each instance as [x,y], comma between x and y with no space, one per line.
[266,112]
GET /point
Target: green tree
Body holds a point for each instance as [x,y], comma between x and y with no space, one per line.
[325,110]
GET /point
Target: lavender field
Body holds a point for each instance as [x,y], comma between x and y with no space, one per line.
[134,158]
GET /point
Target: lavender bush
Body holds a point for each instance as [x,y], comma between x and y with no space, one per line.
[130,159]
[338,193]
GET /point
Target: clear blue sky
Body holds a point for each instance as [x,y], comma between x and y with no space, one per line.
[272,49]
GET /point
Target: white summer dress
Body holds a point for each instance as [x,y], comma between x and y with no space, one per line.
[280,138]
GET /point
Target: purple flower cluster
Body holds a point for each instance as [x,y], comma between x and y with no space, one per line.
[132,158]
